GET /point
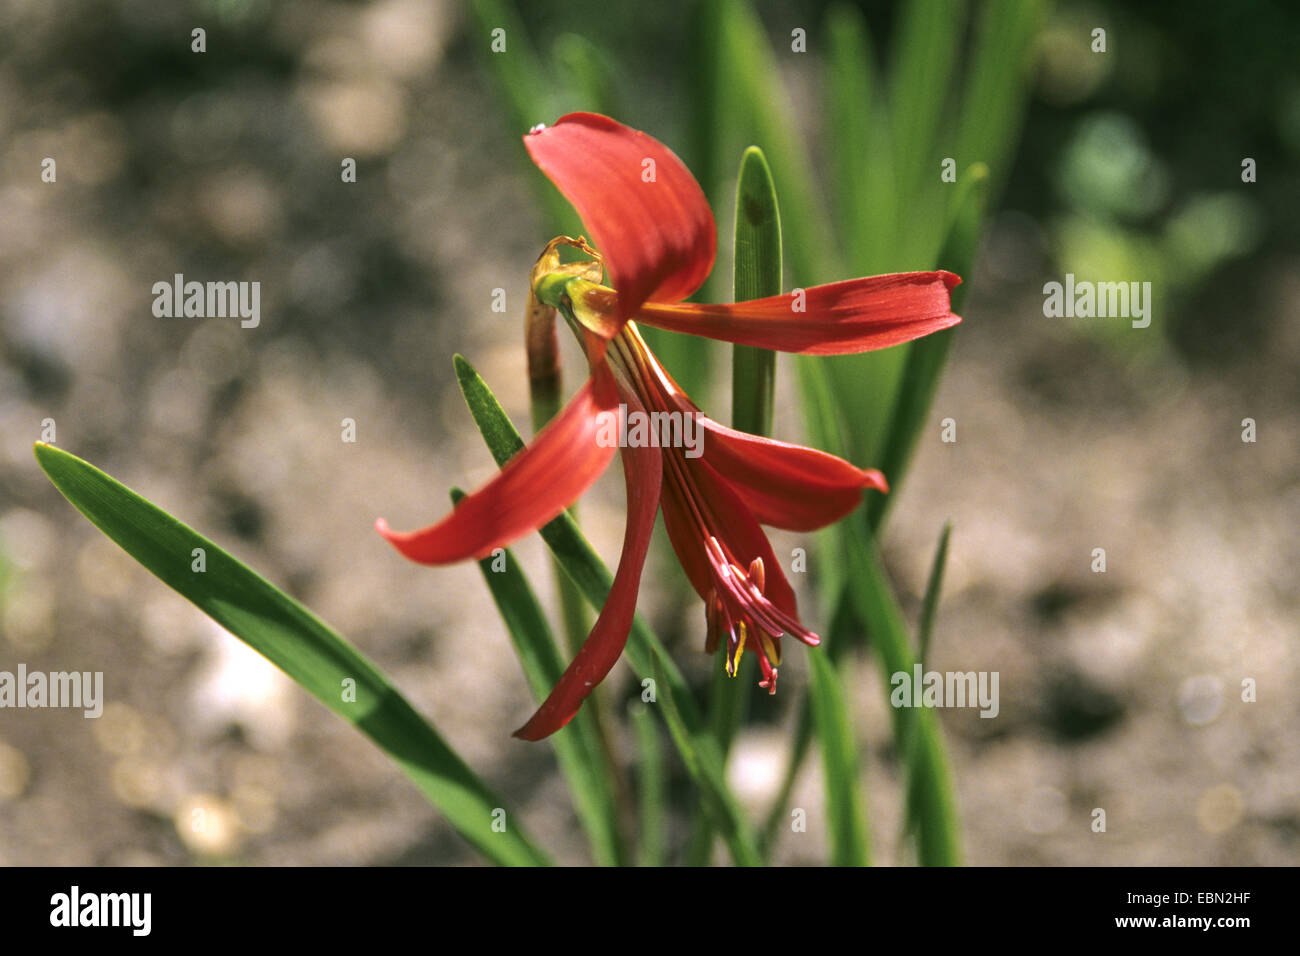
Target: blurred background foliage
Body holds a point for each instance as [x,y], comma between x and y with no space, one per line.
[1123,165]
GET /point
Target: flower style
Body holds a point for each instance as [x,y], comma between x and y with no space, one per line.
[657,241]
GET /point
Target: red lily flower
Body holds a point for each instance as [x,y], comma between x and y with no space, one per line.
[657,239]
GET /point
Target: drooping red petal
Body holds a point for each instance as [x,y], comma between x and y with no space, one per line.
[643,475]
[699,488]
[786,486]
[534,486]
[646,213]
[857,315]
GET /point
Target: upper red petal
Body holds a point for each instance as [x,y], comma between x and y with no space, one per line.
[534,486]
[730,520]
[655,232]
[783,485]
[643,475]
[786,486]
[857,315]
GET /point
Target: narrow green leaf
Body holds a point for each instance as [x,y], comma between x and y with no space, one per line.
[745,102]
[853,132]
[652,786]
[527,86]
[293,639]
[925,629]
[997,84]
[846,824]
[924,56]
[728,704]
[835,643]
[866,597]
[776,817]
[926,357]
[643,651]
[916,731]
[703,762]
[757,276]
[930,604]
[590,74]
[578,748]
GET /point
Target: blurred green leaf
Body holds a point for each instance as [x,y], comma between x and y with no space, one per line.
[926,357]
[996,86]
[652,786]
[589,72]
[925,631]
[294,640]
[866,593]
[578,747]
[861,165]
[529,95]
[741,101]
[916,730]
[923,62]
[930,604]
[847,828]
[757,276]
[835,643]
[703,760]
[905,207]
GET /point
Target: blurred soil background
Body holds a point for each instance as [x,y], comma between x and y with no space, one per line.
[1120,691]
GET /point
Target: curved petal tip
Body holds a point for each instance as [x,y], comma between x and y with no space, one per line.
[642,207]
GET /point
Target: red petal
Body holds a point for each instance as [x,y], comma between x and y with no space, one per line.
[732,523]
[858,315]
[783,485]
[643,474]
[786,486]
[534,486]
[658,238]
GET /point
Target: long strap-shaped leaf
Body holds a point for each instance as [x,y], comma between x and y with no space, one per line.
[293,639]
[697,748]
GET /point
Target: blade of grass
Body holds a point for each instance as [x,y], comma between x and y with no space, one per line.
[924,55]
[997,83]
[901,205]
[757,275]
[854,130]
[916,731]
[297,642]
[930,604]
[745,102]
[925,629]
[578,747]
[836,643]
[846,824]
[652,786]
[926,357]
[868,595]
